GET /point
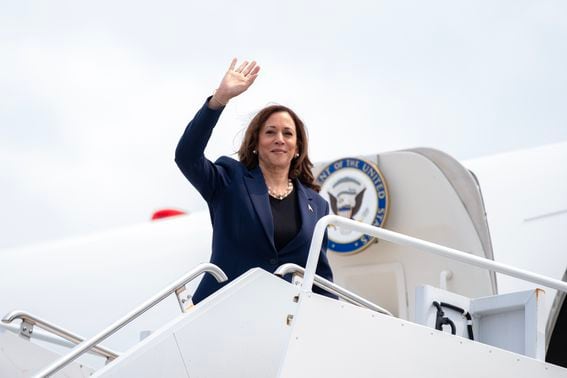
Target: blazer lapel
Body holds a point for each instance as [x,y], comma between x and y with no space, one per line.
[258,193]
[308,219]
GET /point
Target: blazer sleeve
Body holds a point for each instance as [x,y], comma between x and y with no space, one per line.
[208,178]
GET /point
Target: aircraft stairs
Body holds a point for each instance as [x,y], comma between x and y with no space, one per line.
[260,325]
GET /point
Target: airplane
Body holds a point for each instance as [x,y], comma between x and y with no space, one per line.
[428,293]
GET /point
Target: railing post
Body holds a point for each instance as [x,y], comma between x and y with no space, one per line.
[314,251]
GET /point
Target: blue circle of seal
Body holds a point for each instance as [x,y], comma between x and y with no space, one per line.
[379,184]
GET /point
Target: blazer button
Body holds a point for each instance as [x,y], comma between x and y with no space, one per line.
[273,261]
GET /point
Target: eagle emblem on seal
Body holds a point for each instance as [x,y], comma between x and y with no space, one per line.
[355,189]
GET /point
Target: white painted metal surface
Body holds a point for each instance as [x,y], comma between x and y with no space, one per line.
[105,275]
[350,341]
[239,331]
[175,286]
[526,206]
[425,312]
[511,321]
[418,244]
[255,327]
[21,358]
[423,203]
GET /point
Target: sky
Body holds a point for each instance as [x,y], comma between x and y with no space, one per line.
[95,95]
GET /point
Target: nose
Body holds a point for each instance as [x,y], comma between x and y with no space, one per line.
[279,138]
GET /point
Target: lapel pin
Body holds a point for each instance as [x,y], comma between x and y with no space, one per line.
[309,207]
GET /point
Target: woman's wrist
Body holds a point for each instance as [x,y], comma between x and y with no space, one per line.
[220,98]
[214,104]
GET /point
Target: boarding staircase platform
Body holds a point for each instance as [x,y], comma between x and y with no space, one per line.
[260,325]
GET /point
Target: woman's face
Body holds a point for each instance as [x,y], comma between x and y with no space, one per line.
[277,142]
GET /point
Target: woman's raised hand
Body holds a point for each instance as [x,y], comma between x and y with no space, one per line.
[235,81]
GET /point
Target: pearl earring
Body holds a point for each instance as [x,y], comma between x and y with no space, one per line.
[254,152]
[296,155]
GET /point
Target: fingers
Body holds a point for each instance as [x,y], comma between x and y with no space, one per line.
[252,78]
[255,71]
[245,68]
[242,66]
[249,68]
[232,64]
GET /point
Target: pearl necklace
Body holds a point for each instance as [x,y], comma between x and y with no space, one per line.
[281,196]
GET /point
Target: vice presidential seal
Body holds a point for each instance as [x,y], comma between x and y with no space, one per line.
[355,189]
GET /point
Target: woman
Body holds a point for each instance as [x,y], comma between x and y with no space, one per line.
[264,207]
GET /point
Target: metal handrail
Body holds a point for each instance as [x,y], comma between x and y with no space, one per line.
[80,349]
[332,288]
[409,241]
[57,330]
[48,338]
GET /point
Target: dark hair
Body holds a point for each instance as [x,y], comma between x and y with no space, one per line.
[300,167]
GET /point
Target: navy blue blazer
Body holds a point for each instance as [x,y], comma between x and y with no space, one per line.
[239,206]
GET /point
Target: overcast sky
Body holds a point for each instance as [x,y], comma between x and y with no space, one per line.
[95,95]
